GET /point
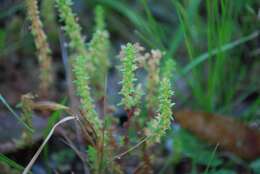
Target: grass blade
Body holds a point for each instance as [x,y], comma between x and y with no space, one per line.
[15,114]
[28,167]
[224,48]
[11,163]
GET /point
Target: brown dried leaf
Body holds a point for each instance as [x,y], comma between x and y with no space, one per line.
[227,131]
[48,105]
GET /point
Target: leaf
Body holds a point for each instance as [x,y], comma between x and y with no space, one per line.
[203,57]
[48,105]
[195,149]
[92,157]
[222,171]
[229,133]
[15,114]
[34,158]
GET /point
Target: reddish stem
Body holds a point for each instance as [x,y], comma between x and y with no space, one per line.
[130,113]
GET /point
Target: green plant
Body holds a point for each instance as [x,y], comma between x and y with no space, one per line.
[8,165]
[153,79]
[88,59]
[129,90]
[212,41]
[26,105]
[47,9]
[42,46]
[81,63]
[158,126]
[73,30]
[20,120]
[216,41]
[98,49]
[208,78]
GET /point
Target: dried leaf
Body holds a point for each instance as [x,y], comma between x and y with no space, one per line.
[48,105]
[227,131]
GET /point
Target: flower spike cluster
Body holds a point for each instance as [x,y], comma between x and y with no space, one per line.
[40,39]
[82,65]
[73,30]
[83,90]
[153,79]
[89,66]
[99,52]
[158,126]
[26,104]
[99,18]
[169,68]
[128,91]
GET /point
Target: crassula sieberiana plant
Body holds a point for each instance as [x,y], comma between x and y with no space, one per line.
[153,78]
[43,49]
[27,111]
[73,30]
[107,144]
[158,126]
[98,49]
[82,63]
[131,55]
[128,56]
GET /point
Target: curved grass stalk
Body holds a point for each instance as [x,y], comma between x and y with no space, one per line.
[34,158]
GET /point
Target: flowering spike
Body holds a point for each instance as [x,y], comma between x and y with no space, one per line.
[153,79]
[26,104]
[157,127]
[82,65]
[99,18]
[168,68]
[128,57]
[73,30]
[99,51]
[83,90]
[43,49]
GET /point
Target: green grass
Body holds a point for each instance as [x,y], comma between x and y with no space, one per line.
[208,47]
[218,33]
[11,163]
[213,69]
[15,114]
[214,44]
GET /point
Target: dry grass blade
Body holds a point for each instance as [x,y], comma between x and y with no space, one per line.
[48,105]
[28,167]
[131,149]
